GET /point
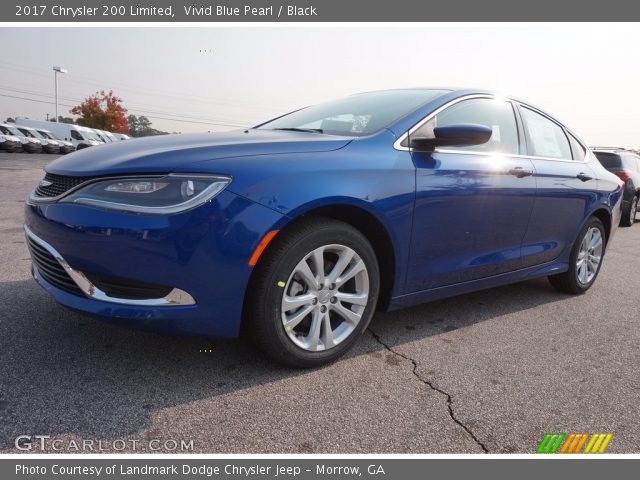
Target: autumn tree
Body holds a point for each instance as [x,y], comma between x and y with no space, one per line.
[102,110]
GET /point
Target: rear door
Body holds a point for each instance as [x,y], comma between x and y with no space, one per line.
[566,187]
[473,203]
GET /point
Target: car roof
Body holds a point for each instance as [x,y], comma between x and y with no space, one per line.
[611,149]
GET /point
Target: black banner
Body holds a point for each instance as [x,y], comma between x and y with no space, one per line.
[318,468]
[315,11]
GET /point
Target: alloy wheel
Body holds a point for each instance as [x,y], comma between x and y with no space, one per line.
[324,297]
[589,256]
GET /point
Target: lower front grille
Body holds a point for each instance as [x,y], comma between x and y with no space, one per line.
[50,269]
[50,265]
[128,289]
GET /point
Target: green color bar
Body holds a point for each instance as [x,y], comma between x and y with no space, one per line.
[558,442]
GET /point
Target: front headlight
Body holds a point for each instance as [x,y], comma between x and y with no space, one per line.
[164,195]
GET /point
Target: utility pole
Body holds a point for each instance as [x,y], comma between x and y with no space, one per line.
[56,71]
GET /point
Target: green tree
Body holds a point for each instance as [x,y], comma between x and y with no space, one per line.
[62,119]
[140,126]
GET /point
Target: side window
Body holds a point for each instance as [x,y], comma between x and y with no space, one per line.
[75,134]
[631,162]
[577,149]
[545,138]
[496,114]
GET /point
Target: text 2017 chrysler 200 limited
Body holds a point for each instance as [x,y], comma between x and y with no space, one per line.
[299,228]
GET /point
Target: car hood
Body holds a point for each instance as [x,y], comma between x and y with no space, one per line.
[172,153]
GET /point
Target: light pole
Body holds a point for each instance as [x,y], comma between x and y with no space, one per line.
[56,71]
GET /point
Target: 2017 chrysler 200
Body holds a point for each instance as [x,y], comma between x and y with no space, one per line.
[299,228]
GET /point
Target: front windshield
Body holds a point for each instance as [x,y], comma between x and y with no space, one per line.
[357,115]
[48,135]
[11,130]
[32,133]
[90,135]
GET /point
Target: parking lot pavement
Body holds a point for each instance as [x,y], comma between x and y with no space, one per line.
[491,371]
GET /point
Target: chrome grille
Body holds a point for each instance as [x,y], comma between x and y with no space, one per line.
[55,185]
[50,269]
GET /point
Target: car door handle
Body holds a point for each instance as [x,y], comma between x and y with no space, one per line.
[520,172]
[584,177]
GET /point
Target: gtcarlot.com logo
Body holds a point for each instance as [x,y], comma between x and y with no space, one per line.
[45,443]
[574,443]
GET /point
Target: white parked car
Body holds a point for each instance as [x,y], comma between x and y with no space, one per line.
[65,146]
[80,137]
[48,145]
[28,144]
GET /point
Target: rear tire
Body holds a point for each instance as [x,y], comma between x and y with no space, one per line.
[298,310]
[629,215]
[585,261]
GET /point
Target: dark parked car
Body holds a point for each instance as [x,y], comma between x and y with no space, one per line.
[299,228]
[626,165]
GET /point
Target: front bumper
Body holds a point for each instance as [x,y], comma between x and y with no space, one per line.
[32,147]
[11,146]
[201,254]
[51,148]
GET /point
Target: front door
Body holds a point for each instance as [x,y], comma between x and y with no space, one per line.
[473,204]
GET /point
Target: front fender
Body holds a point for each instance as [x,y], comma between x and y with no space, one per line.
[368,174]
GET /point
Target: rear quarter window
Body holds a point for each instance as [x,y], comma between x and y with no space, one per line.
[610,161]
[631,162]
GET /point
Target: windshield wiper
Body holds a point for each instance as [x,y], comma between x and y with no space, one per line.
[294,129]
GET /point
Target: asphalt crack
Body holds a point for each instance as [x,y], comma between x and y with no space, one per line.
[433,387]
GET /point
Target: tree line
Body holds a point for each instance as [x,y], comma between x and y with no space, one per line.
[105,111]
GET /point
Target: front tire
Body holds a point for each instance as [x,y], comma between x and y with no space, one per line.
[585,261]
[313,293]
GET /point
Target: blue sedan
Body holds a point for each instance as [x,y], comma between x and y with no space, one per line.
[297,230]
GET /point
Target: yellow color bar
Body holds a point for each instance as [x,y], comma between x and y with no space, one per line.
[606,441]
[594,437]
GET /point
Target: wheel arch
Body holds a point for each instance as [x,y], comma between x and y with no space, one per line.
[362,220]
[604,216]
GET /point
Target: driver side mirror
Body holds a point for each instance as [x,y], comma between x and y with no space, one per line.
[461,134]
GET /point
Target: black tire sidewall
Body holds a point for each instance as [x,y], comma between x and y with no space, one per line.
[278,267]
[632,210]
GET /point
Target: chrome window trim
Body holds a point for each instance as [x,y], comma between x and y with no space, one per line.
[397,144]
[510,155]
[175,297]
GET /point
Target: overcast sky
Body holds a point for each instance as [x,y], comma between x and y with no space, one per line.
[215,78]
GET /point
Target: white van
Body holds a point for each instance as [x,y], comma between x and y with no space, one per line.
[102,135]
[111,136]
[81,137]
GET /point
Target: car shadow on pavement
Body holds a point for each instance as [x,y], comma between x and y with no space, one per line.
[62,372]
